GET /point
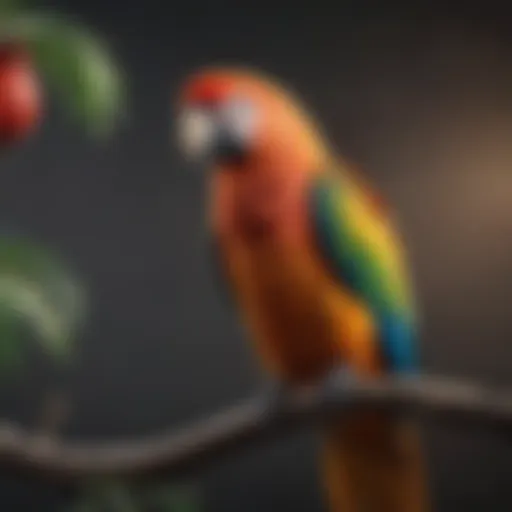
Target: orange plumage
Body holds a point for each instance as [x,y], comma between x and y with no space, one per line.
[303,322]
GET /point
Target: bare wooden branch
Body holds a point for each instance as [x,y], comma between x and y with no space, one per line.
[173,453]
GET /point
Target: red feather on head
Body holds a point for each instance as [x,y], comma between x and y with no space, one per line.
[207,88]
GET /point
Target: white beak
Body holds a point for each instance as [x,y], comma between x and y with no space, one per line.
[223,132]
[196,132]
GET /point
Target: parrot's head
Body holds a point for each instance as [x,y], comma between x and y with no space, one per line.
[234,119]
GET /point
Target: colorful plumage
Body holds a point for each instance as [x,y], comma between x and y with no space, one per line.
[316,268]
[363,252]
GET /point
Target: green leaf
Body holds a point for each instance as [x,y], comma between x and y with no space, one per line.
[116,496]
[174,498]
[76,62]
[36,292]
[10,5]
[106,497]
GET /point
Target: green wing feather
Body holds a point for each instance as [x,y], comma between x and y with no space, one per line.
[368,259]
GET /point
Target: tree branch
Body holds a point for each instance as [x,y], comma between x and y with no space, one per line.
[173,453]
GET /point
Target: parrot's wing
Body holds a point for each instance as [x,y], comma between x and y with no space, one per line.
[219,271]
[363,253]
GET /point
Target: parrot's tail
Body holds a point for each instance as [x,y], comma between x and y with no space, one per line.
[374,463]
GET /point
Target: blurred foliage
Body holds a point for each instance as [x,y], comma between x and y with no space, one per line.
[8,5]
[118,497]
[37,292]
[73,60]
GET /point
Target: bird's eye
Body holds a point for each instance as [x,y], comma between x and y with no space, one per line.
[195,131]
[239,114]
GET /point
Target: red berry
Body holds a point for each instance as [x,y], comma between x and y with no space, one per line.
[20,95]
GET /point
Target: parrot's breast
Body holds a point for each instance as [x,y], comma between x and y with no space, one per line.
[302,324]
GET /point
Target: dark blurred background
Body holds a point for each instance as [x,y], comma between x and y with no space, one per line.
[421,99]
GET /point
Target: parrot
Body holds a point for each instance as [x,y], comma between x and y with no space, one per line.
[312,260]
